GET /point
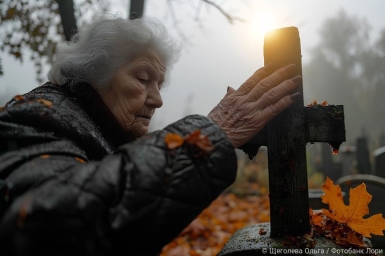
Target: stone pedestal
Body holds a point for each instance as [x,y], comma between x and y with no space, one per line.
[249,242]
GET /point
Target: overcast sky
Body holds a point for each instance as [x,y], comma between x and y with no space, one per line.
[218,54]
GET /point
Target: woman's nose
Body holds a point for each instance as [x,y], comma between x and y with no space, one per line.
[154,98]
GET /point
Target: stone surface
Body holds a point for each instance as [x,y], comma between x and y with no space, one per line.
[247,241]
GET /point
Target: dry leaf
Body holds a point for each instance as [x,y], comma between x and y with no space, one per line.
[45,102]
[199,141]
[173,140]
[316,218]
[210,231]
[18,97]
[80,160]
[352,215]
[196,141]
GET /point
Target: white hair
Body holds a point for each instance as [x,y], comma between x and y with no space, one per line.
[100,48]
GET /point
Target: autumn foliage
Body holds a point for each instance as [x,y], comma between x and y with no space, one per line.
[196,142]
[345,223]
[210,231]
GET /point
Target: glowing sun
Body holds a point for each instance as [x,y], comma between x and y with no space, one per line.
[264,22]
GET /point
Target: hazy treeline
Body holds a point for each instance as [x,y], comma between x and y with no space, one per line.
[348,68]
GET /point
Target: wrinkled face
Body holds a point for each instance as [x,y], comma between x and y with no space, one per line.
[133,95]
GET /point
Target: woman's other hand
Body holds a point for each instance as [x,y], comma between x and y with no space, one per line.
[242,113]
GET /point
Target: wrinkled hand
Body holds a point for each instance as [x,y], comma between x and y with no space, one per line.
[242,113]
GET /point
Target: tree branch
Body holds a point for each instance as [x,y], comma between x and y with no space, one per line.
[175,22]
[219,8]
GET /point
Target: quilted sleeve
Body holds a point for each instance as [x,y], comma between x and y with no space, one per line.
[136,200]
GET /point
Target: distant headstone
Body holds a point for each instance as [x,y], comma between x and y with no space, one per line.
[379,162]
[382,139]
[328,166]
[348,160]
[363,162]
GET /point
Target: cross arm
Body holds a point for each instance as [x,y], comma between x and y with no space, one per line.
[323,124]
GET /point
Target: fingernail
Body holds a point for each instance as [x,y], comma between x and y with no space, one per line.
[290,68]
[296,79]
[228,88]
[295,96]
[269,67]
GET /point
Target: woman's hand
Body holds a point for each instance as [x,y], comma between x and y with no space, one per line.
[244,112]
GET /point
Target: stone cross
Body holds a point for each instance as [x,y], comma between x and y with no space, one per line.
[286,137]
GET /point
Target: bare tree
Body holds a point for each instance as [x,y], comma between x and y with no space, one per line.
[40,25]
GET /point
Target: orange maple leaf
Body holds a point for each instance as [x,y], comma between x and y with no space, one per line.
[352,215]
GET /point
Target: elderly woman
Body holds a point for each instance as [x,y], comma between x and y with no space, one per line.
[79,175]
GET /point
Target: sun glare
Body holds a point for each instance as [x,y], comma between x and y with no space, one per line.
[264,22]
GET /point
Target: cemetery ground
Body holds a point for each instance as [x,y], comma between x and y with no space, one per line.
[245,203]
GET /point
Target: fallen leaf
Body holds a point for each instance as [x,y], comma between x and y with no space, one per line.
[173,140]
[18,97]
[352,215]
[45,102]
[210,231]
[354,239]
[316,218]
[197,142]
[314,103]
[80,160]
[200,141]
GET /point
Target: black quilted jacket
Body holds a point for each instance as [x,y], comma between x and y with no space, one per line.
[73,183]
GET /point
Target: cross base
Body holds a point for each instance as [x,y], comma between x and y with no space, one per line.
[249,242]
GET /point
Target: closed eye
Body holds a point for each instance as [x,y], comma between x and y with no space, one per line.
[143,80]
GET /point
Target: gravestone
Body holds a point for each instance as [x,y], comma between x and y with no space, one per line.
[285,137]
[348,160]
[363,162]
[329,168]
[382,139]
[379,162]
[376,187]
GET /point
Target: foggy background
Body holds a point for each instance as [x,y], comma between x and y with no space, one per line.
[343,49]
